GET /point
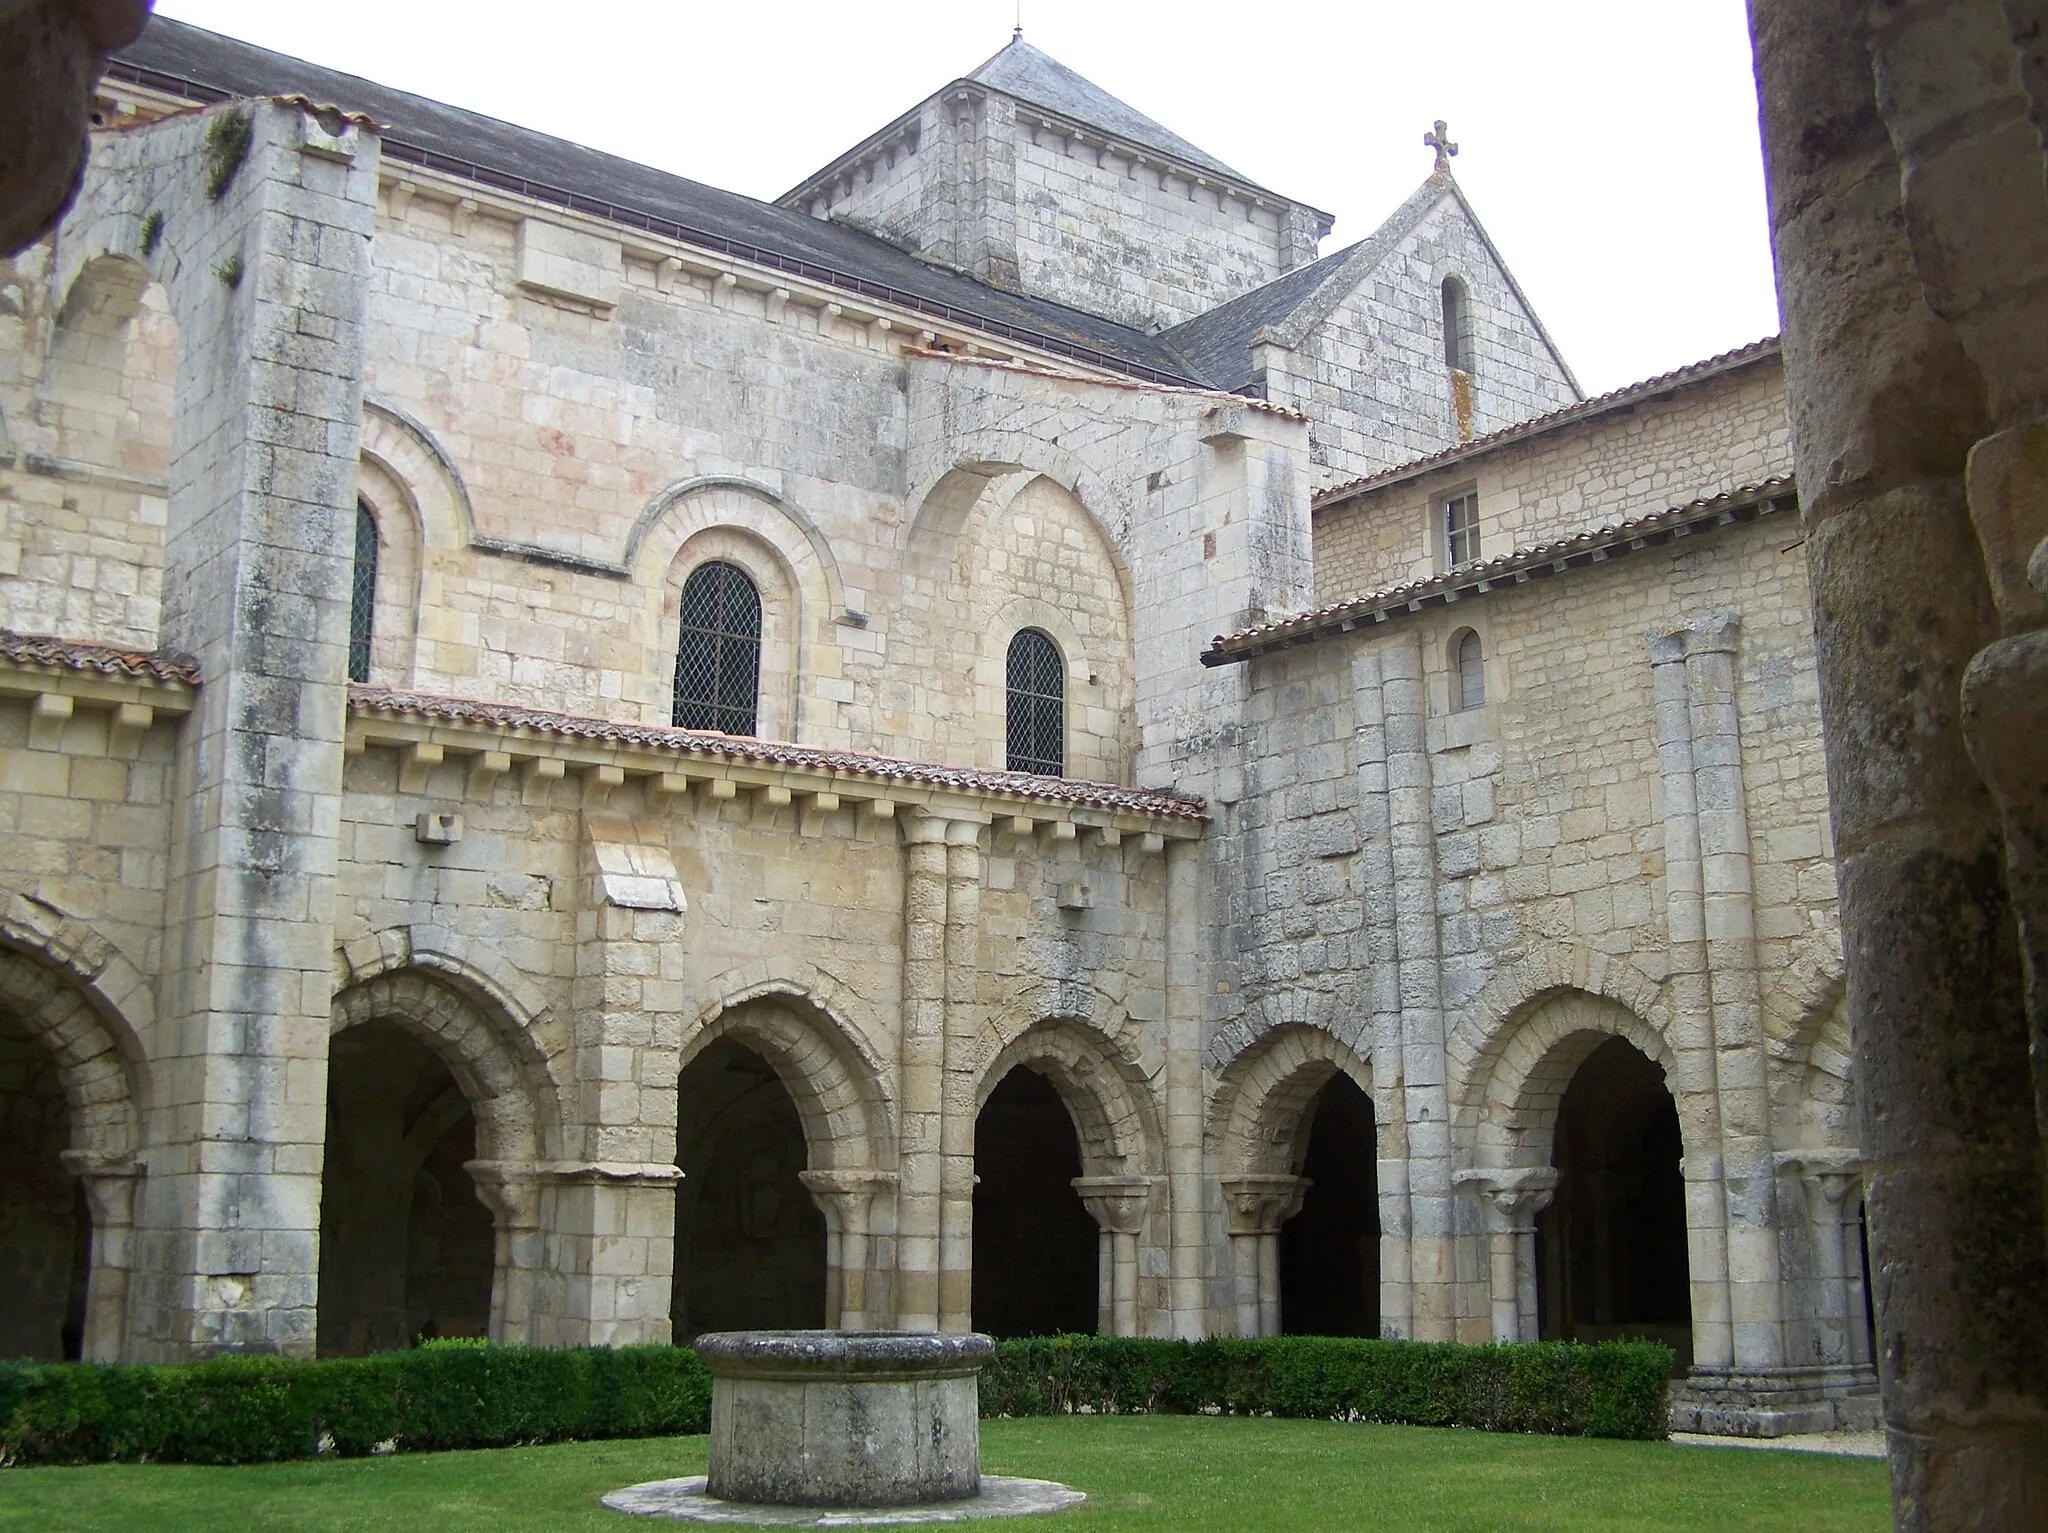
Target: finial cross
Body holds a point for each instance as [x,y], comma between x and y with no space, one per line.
[1440,141]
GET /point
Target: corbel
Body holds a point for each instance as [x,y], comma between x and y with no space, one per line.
[666,270]
[877,812]
[721,788]
[460,215]
[666,788]
[722,287]
[47,716]
[771,796]
[402,193]
[778,305]
[1062,830]
[126,727]
[542,774]
[1021,826]
[812,811]
[598,782]
[1108,837]
[485,768]
[415,763]
[1151,843]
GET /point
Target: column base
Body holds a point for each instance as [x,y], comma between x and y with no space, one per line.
[1775,1402]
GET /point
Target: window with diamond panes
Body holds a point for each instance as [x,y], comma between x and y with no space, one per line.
[362,595]
[1037,705]
[718,654]
[1461,529]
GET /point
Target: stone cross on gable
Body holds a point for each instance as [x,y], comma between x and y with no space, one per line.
[1440,141]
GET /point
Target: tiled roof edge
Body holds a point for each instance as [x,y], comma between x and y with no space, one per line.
[1584,409]
[1517,567]
[737,748]
[1030,370]
[107,659]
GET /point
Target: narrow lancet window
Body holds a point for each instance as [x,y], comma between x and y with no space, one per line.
[1471,678]
[362,595]
[1461,529]
[1037,705]
[1457,335]
[718,651]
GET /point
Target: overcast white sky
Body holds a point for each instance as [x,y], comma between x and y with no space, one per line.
[1609,145]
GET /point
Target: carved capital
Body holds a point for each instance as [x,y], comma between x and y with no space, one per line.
[1259,1203]
[1513,1195]
[843,1197]
[1119,1203]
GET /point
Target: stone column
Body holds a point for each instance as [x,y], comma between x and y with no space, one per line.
[1833,1183]
[1513,1197]
[1120,1205]
[1696,1086]
[512,1192]
[1879,144]
[1376,880]
[1412,839]
[1184,1120]
[1257,1204]
[956,1130]
[110,1184]
[846,1198]
[922,1066]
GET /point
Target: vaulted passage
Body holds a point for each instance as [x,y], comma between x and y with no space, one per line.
[750,1241]
[45,1227]
[1034,1240]
[1610,1249]
[405,1246]
[1330,1251]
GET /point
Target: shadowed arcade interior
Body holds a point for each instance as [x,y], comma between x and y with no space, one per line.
[1610,1248]
[1035,1243]
[1329,1252]
[750,1241]
[406,1248]
[45,1226]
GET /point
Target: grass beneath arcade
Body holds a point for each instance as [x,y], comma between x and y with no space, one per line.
[1155,1473]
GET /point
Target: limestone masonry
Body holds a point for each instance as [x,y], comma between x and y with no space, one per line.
[1000,743]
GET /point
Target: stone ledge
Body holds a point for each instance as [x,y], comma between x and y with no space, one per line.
[686,1501]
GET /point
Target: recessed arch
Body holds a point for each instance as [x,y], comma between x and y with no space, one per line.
[1257,1110]
[1100,1085]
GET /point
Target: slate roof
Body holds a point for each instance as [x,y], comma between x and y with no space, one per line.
[205,66]
[1532,561]
[41,651]
[851,765]
[1218,344]
[1022,71]
[1585,409]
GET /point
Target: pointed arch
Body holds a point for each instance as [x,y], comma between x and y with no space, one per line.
[1102,1087]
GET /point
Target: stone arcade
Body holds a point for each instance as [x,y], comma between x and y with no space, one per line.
[587,759]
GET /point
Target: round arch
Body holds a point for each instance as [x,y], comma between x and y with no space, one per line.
[1102,1088]
[1258,1108]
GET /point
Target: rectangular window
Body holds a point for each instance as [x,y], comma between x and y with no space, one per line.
[1461,529]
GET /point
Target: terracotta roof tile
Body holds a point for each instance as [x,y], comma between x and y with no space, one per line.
[737,748]
[107,659]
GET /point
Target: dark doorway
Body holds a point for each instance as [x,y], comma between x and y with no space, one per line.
[45,1227]
[1330,1251]
[1610,1249]
[750,1241]
[1034,1240]
[406,1248]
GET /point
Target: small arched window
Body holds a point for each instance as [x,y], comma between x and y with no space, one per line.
[1469,659]
[362,595]
[718,651]
[1457,327]
[1037,705]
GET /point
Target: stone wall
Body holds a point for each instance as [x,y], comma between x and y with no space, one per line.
[1663,449]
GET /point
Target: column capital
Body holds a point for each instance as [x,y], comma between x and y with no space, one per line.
[1515,1195]
[1258,1203]
[1119,1203]
[843,1196]
[1833,1172]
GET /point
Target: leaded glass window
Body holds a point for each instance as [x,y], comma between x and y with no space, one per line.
[362,595]
[718,653]
[1037,705]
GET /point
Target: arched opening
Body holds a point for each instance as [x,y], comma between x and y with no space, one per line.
[45,1225]
[1457,329]
[1468,672]
[406,1247]
[1610,1248]
[750,1239]
[718,651]
[1035,1243]
[1036,705]
[1330,1251]
[362,596]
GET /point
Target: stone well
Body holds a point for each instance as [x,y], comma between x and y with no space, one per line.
[844,1418]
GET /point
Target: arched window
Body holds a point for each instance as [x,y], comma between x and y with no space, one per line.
[362,595]
[718,653]
[1457,332]
[1037,705]
[1469,686]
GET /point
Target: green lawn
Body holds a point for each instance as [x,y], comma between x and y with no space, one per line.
[1143,1472]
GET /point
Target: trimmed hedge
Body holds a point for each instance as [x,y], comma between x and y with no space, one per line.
[238,1410]
[1615,1389]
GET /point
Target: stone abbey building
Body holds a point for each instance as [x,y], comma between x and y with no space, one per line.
[1000,742]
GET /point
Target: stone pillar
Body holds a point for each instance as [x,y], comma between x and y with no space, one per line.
[1184,1119]
[1376,881]
[258,551]
[1886,133]
[1513,1197]
[846,1199]
[1420,977]
[1119,1204]
[1696,1086]
[512,1192]
[110,1185]
[1257,1204]
[1833,1184]
[922,1073]
[956,1130]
